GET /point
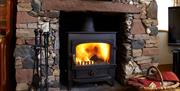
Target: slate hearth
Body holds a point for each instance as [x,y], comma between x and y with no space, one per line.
[97,87]
[134,21]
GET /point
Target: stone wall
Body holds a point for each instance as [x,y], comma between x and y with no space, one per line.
[142,43]
[27,21]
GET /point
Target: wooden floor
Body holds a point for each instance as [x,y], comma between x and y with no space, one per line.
[117,86]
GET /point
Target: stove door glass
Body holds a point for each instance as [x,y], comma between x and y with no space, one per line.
[92,54]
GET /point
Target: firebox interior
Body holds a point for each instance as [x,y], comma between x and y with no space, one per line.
[92,54]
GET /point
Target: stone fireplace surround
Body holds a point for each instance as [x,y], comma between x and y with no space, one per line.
[141,43]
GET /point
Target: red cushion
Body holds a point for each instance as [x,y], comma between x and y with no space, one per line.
[170,76]
[167,76]
[139,82]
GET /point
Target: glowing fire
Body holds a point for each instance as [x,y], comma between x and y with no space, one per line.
[92,53]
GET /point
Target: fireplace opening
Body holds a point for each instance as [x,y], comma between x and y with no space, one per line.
[89,42]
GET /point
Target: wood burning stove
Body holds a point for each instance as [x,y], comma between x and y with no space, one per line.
[86,55]
[85,62]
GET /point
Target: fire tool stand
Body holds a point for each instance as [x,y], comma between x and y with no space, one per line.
[37,71]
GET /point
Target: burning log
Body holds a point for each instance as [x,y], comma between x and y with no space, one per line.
[96,59]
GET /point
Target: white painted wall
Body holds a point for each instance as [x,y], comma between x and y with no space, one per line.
[165,56]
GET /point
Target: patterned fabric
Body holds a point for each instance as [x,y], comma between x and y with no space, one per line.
[167,76]
[143,82]
[153,80]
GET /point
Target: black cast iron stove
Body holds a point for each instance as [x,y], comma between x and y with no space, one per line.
[86,55]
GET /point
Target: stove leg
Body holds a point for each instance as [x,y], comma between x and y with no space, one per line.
[112,82]
[69,86]
[69,82]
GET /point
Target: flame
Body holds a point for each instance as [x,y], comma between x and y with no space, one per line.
[85,51]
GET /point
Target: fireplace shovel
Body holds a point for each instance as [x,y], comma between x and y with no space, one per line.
[35,84]
[35,80]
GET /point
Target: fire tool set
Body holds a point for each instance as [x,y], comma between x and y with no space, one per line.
[40,80]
